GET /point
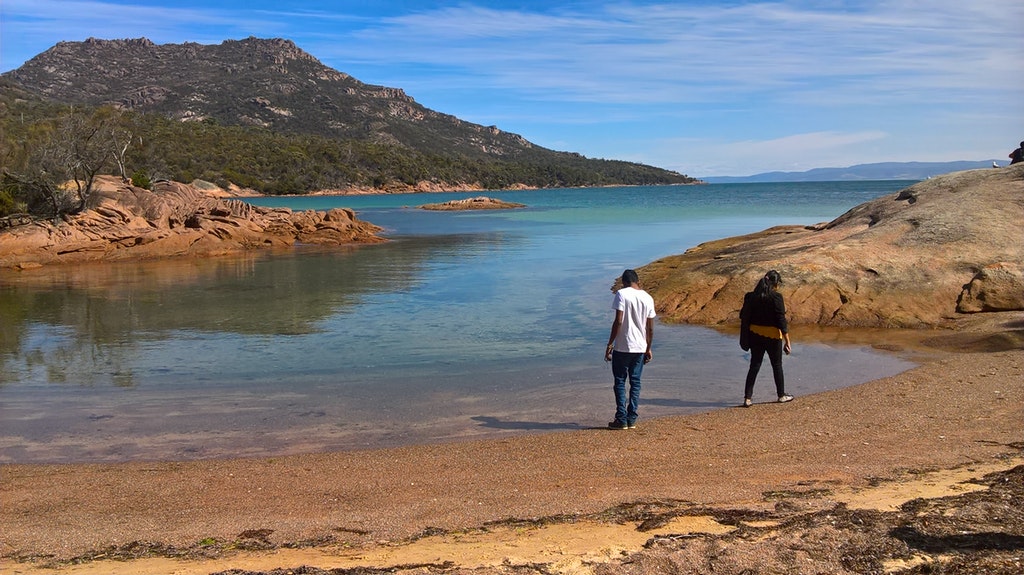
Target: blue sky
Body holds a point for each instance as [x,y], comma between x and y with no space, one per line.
[702,87]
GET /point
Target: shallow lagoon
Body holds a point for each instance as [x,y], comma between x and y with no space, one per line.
[463,325]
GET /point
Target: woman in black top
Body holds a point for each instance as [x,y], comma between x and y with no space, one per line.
[763,323]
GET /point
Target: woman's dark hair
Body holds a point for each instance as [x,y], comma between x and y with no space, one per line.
[768,284]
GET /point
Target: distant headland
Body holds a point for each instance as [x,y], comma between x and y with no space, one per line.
[878,171]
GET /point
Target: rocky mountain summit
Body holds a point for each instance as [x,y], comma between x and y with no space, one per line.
[268,83]
[946,246]
[126,222]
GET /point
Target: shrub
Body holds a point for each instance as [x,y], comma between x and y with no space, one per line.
[141,179]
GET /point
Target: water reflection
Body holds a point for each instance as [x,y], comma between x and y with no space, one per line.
[85,324]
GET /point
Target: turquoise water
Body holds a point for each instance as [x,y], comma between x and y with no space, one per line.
[463,325]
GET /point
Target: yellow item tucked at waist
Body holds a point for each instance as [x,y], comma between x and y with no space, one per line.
[771,332]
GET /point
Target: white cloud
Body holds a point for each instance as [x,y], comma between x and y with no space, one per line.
[797,152]
[685,53]
[688,85]
[33,26]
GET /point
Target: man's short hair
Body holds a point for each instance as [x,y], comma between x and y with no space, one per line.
[629,277]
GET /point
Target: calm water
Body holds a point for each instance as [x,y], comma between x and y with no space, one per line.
[465,324]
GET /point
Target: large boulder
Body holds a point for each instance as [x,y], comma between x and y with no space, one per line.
[126,222]
[948,245]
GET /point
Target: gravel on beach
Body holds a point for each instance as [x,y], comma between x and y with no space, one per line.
[963,408]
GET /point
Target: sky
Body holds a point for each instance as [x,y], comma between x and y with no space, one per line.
[706,88]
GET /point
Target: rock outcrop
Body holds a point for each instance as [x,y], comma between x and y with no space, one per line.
[949,245]
[998,287]
[478,203]
[173,219]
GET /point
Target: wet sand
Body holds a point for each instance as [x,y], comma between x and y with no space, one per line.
[959,413]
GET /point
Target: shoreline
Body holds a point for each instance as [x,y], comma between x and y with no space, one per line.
[954,412]
[357,191]
[116,429]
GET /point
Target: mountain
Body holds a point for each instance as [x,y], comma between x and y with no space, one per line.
[879,171]
[272,85]
[253,82]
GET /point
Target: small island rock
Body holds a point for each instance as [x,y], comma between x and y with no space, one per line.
[478,203]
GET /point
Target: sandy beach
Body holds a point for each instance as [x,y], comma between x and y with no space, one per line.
[574,502]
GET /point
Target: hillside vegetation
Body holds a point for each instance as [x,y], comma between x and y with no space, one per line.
[264,115]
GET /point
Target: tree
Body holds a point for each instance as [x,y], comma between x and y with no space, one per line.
[66,155]
[122,135]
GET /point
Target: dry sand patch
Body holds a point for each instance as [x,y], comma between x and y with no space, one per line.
[567,547]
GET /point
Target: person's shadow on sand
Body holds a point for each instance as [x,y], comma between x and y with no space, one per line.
[670,402]
[495,423]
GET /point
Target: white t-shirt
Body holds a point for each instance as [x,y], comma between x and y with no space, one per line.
[636,306]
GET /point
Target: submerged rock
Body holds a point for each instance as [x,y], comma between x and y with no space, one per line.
[951,244]
[174,219]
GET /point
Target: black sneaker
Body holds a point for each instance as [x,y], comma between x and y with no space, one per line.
[631,425]
[617,425]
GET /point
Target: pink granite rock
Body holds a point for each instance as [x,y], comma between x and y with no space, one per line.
[901,260]
[173,219]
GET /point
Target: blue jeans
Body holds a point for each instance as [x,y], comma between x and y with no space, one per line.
[627,366]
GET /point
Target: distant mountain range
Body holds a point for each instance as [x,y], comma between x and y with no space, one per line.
[880,171]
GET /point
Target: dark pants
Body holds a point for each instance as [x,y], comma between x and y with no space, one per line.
[759,345]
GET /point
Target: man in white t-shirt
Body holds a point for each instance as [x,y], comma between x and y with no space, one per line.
[629,346]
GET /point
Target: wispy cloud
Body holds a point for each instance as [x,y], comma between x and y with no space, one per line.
[32,26]
[685,53]
[636,80]
[794,152]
